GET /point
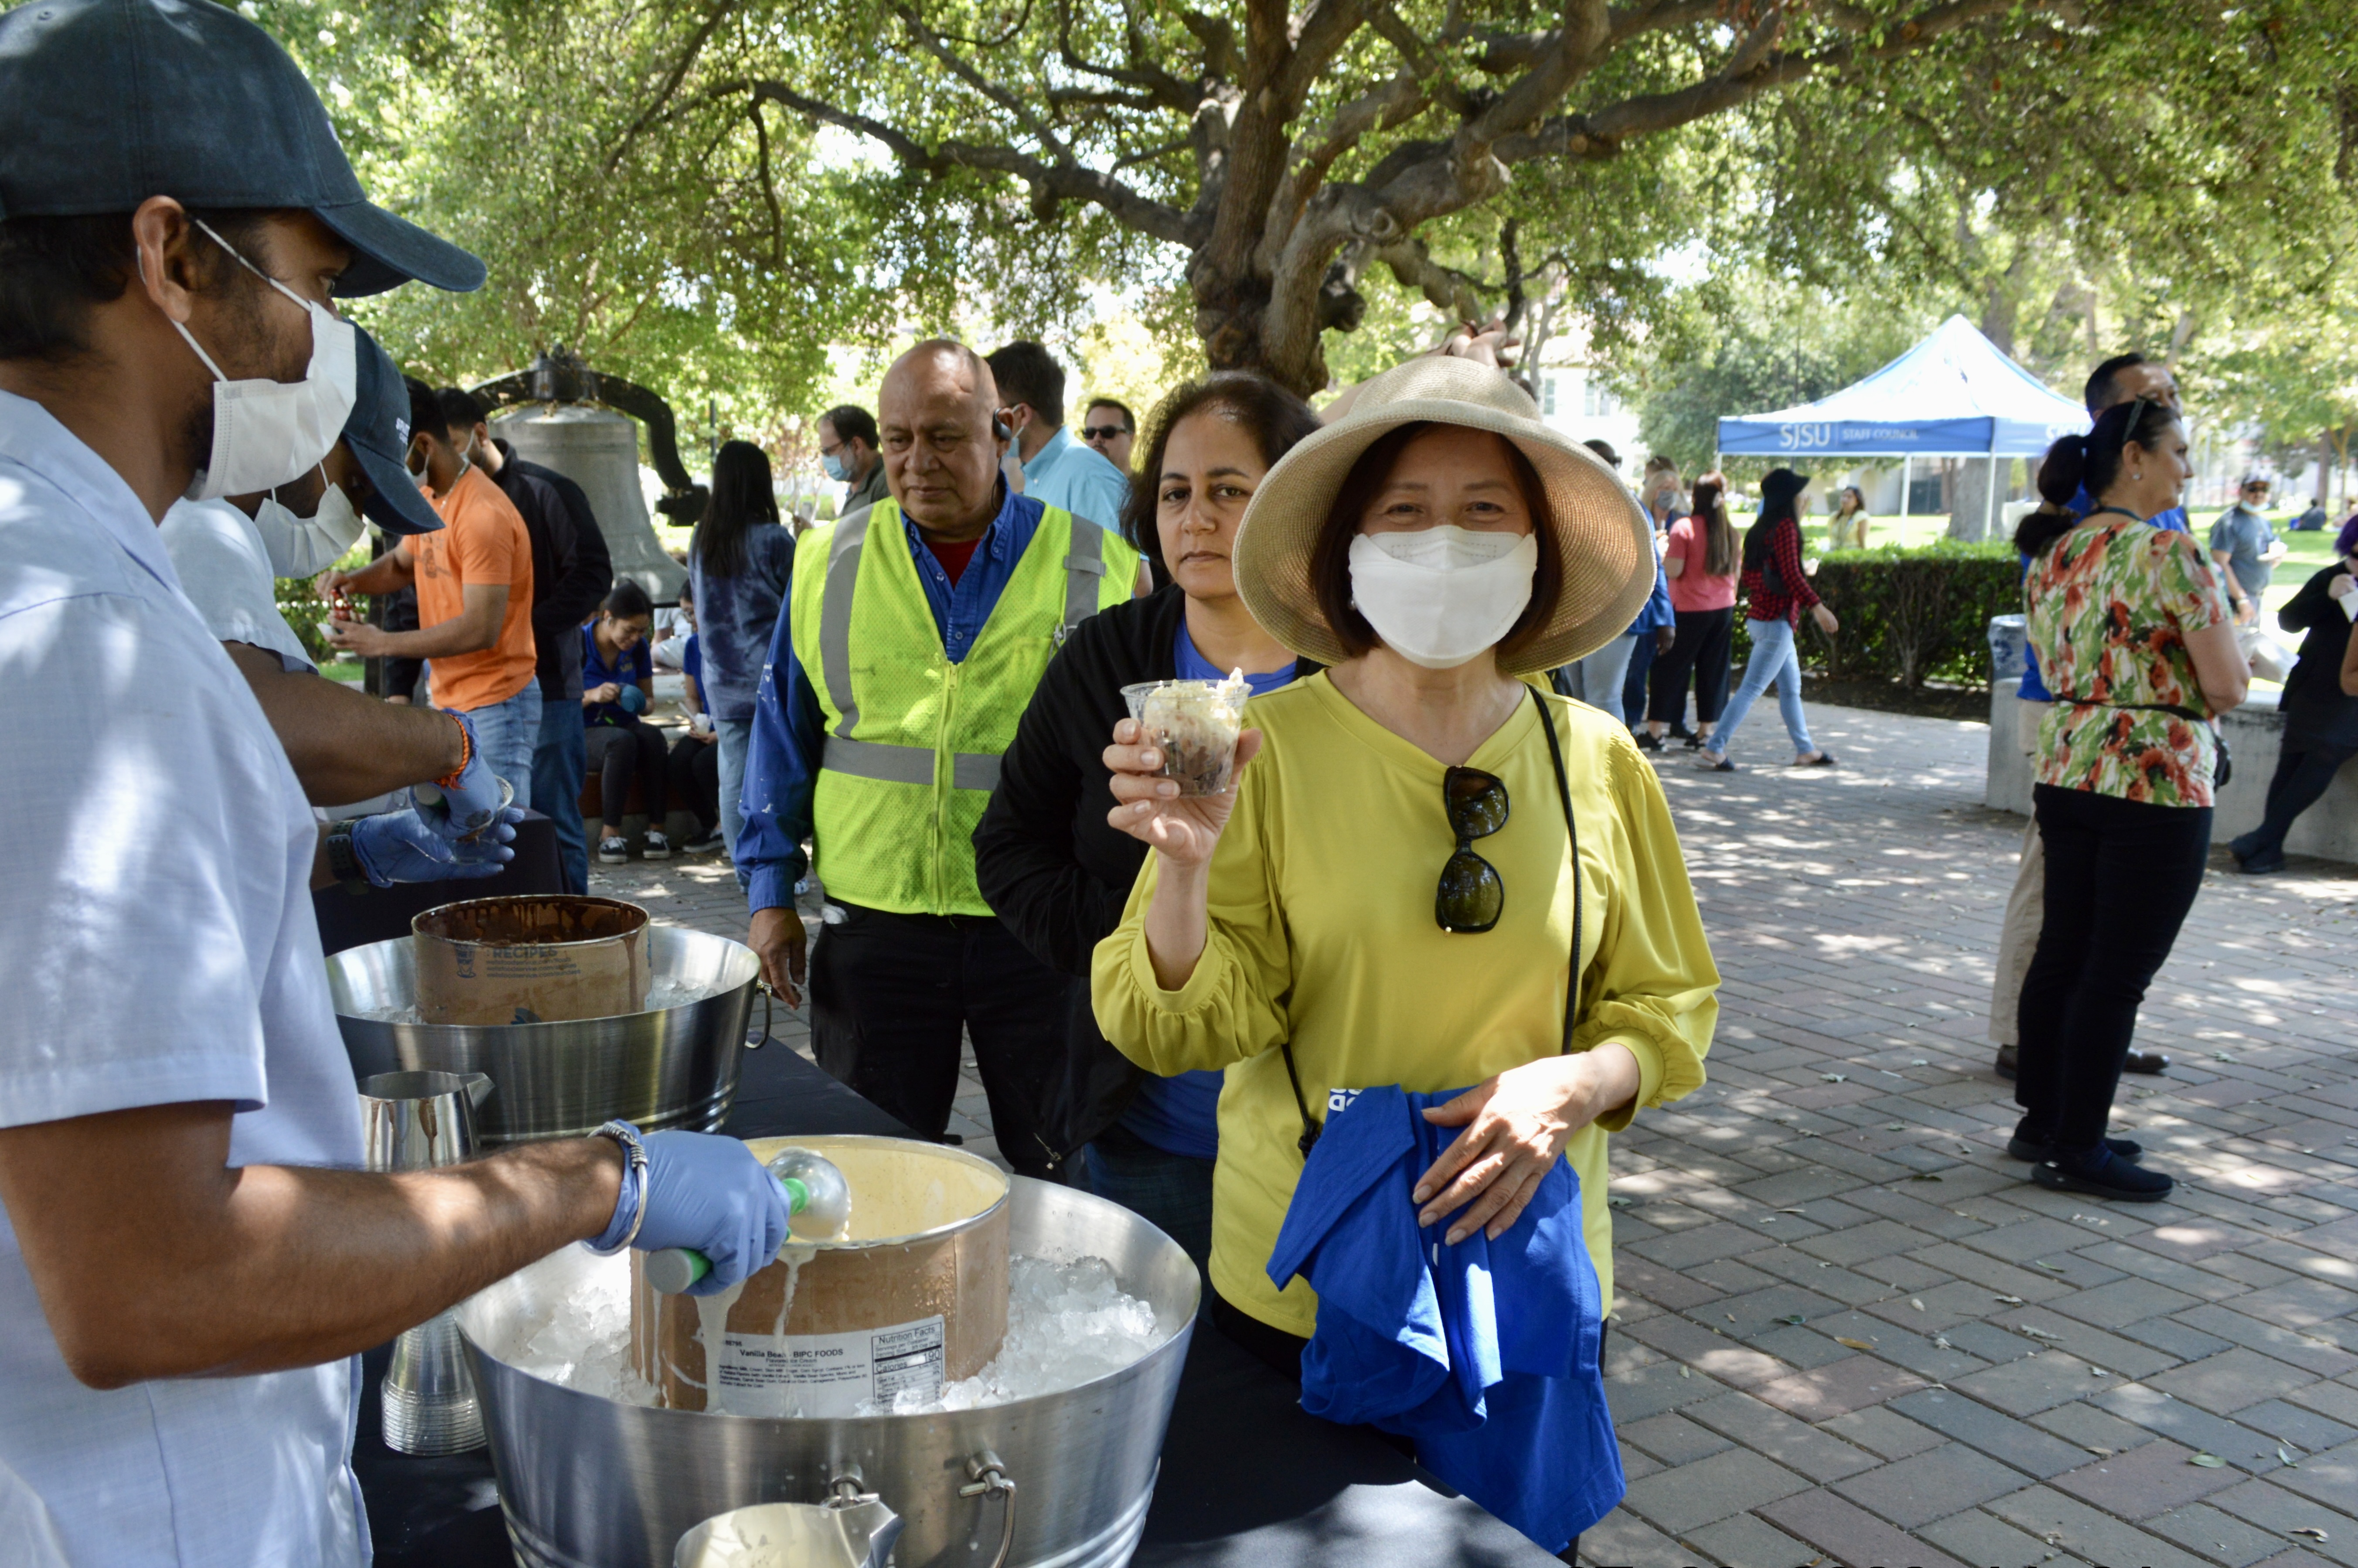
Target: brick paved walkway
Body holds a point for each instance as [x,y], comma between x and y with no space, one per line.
[1849,1330]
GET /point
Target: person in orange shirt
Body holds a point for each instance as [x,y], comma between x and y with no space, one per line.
[474,599]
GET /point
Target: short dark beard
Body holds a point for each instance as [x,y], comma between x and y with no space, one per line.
[243,313]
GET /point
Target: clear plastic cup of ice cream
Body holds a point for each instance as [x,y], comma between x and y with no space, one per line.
[1195,724]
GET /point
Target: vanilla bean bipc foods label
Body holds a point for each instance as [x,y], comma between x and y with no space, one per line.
[819,1375]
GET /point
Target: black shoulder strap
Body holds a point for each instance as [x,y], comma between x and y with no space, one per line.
[1572,986]
[1572,833]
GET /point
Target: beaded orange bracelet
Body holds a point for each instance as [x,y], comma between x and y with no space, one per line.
[466,752]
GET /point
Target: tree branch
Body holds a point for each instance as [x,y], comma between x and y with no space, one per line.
[1420,57]
[1461,294]
[1599,135]
[1382,107]
[1579,44]
[769,189]
[1061,181]
[1160,86]
[931,42]
[677,74]
[1506,53]
[1324,31]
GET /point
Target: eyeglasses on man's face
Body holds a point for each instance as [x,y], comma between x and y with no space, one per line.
[1103,432]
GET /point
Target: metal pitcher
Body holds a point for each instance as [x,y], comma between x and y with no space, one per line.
[414,1121]
[851,1530]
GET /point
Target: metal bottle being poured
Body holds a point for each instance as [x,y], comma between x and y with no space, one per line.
[817,1194]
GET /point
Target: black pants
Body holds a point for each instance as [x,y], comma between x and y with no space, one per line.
[1633,679]
[401,676]
[2304,771]
[2121,875]
[1281,1353]
[1705,639]
[694,772]
[616,752]
[891,995]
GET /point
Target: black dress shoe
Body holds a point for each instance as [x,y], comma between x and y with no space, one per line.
[2010,1061]
[1648,740]
[2099,1173]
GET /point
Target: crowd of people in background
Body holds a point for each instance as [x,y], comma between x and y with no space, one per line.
[1428,936]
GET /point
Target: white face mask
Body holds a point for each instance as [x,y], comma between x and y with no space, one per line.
[305,547]
[1441,596]
[267,433]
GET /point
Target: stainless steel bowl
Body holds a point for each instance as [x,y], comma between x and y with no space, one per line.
[591,1483]
[676,1067]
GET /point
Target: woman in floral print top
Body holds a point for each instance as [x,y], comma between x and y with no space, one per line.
[2111,605]
[2139,651]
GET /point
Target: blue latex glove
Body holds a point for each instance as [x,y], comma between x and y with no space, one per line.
[707,1193]
[470,801]
[633,699]
[403,847]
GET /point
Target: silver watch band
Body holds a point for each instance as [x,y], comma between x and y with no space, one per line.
[635,1158]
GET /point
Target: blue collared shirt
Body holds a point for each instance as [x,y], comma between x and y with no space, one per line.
[1078,478]
[2032,688]
[790,729]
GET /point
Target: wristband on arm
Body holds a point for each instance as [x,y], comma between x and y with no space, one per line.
[466,752]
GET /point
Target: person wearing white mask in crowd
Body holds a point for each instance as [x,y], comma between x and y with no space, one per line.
[1419,843]
[192,1258]
[344,746]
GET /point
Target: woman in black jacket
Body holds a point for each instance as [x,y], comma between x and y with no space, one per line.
[1049,862]
[2321,726]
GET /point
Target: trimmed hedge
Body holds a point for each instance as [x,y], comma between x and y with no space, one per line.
[1909,613]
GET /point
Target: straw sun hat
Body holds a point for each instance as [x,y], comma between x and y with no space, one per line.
[1603,537]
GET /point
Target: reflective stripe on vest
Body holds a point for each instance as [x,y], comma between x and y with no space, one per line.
[1083,567]
[834,623]
[907,764]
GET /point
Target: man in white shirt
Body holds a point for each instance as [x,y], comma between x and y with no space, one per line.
[190,1261]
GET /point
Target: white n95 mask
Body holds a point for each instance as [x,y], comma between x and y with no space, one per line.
[305,547]
[1440,596]
[266,433]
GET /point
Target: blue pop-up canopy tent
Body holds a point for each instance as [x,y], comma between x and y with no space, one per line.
[1953,395]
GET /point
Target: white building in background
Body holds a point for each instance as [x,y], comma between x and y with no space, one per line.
[1574,399]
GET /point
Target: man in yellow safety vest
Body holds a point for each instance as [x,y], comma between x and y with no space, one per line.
[912,638]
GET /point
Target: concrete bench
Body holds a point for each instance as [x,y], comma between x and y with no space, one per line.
[2328,830]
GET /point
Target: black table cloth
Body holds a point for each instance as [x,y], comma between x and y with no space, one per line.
[1249,1480]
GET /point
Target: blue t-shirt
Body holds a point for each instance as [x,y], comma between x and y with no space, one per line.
[1180,1115]
[630,667]
[691,664]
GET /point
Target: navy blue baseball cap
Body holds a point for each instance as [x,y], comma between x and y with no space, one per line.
[105,104]
[377,434]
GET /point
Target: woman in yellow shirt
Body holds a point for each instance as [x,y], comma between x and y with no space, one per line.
[1433,549]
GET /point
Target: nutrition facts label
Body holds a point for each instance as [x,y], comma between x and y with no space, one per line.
[818,1375]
